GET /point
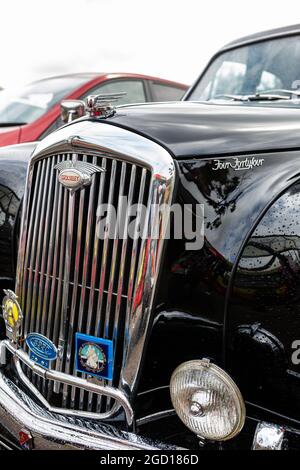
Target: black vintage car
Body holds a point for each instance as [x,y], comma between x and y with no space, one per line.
[151,341]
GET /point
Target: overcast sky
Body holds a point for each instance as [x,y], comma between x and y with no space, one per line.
[168,38]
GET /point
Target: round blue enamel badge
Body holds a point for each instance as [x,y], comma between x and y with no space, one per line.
[41,347]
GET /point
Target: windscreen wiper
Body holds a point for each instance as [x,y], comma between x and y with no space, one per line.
[257,97]
[289,92]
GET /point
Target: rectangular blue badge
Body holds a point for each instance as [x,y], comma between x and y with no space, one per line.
[94,356]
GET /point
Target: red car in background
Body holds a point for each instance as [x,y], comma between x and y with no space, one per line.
[34,112]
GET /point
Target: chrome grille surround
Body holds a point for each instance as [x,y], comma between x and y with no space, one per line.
[121,149]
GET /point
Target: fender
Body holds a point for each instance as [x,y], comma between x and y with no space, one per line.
[206,306]
[261,338]
[13,169]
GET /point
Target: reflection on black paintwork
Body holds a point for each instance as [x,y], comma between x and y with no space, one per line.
[218,189]
[232,202]
[266,292]
[9,204]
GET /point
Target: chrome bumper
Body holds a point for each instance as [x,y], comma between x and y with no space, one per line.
[19,356]
[54,431]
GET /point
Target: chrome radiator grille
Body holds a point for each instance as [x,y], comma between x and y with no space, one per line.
[71,280]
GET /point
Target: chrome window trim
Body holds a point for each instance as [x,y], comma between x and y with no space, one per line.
[100,138]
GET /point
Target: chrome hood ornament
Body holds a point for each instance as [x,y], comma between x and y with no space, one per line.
[75,175]
[102,106]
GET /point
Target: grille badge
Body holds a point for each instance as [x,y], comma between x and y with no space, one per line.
[12,314]
[42,350]
[76,175]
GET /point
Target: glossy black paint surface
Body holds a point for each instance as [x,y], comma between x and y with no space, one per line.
[195,295]
[264,310]
[190,129]
[13,169]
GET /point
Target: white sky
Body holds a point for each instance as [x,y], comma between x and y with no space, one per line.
[168,38]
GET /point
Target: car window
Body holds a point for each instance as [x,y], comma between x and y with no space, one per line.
[229,79]
[164,92]
[269,81]
[268,65]
[35,99]
[135,91]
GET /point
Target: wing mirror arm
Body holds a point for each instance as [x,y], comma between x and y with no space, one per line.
[72,109]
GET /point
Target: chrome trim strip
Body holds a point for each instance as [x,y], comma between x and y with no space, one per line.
[4,446]
[20,356]
[52,431]
[155,416]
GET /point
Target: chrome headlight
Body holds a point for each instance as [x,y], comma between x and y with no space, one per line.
[207,400]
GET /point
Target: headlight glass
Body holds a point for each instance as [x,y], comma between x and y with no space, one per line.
[207,400]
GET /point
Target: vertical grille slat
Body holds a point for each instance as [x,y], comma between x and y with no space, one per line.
[43,241]
[114,256]
[95,258]
[66,288]
[59,311]
[74,281]
[99,330]
[135,246]
[95,268]
[86,260]
[50,264]
[38,286]
[78,250]
[104,261]
[123,255]
[28,275]
[57,221]
[36,247]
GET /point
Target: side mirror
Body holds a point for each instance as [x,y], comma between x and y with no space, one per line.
[72,109]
